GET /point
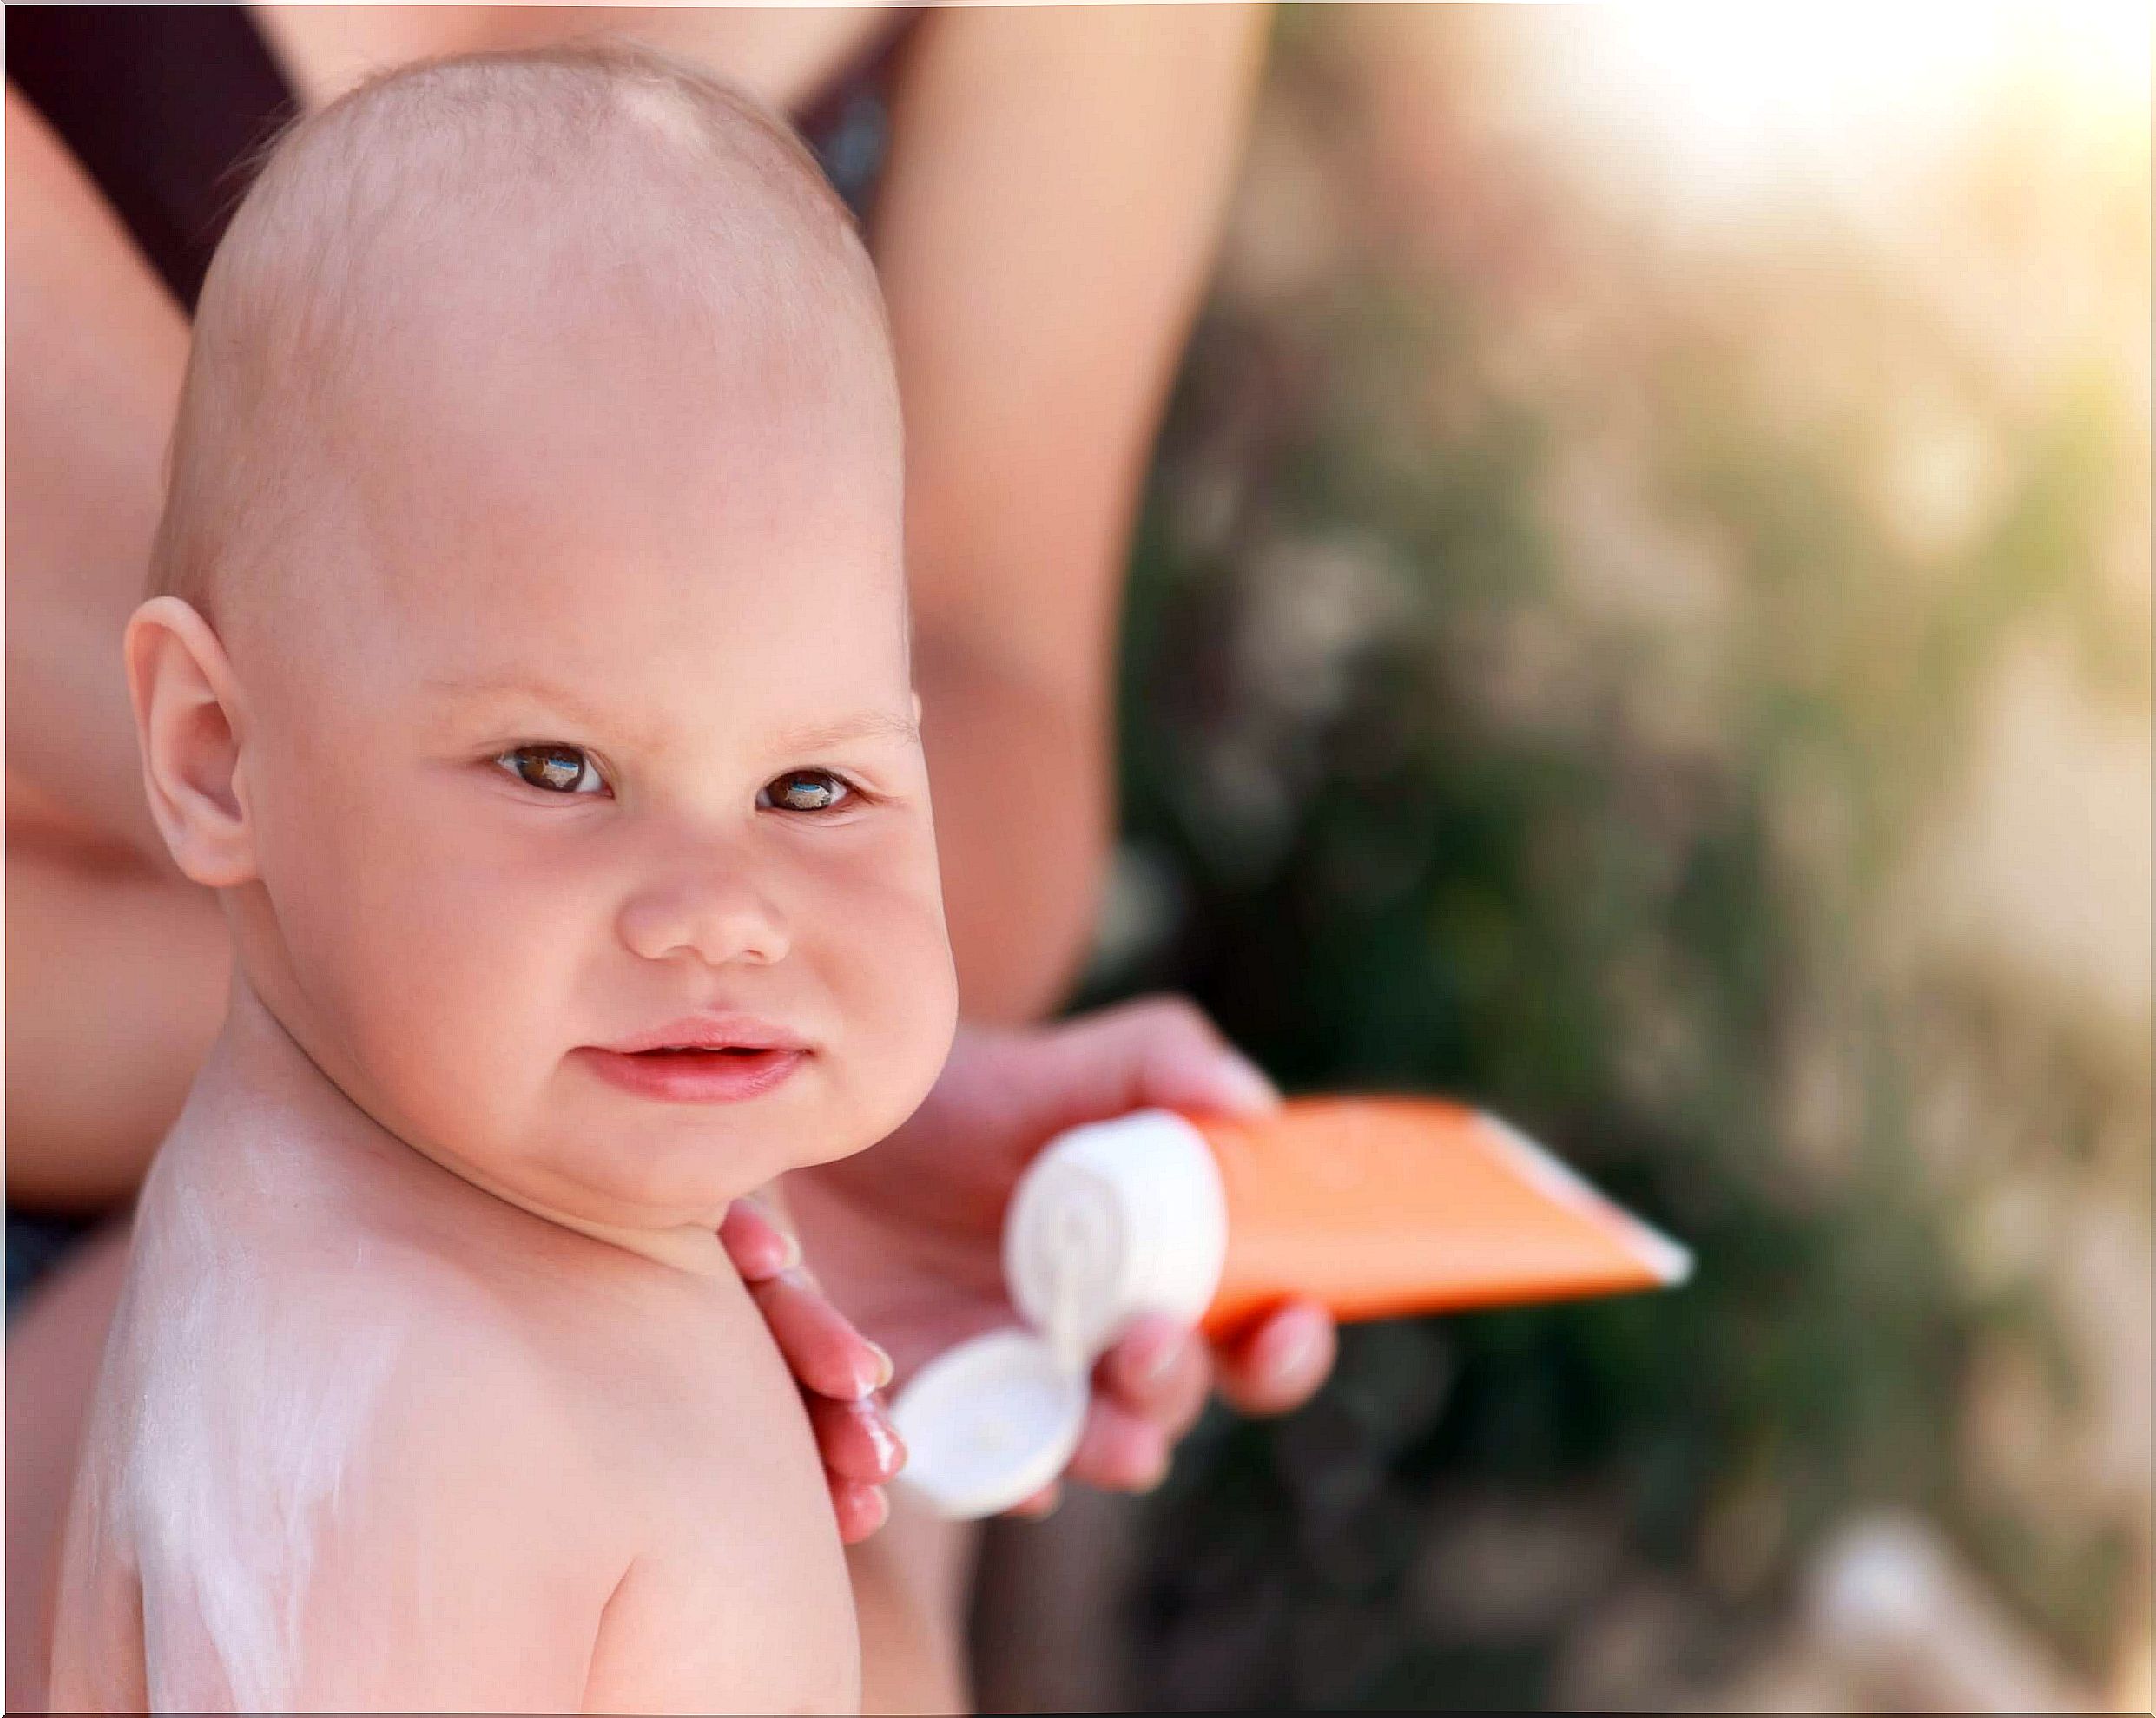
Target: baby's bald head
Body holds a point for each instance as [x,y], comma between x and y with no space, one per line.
[421,261]
[538,474]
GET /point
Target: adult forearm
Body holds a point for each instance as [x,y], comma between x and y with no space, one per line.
[911,1584]
[116,986]
[1021,773]
[96,349]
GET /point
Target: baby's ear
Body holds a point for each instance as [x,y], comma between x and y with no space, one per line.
[185,720]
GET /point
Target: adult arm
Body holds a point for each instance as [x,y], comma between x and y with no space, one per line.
[1055,185]
[116,964]
[96,349]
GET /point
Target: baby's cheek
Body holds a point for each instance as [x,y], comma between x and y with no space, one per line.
[456,977]
[906,1003]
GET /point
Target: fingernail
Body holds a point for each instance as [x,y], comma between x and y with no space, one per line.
[789,1252]
[871,1367]
[884,1370]
[1159,1471]
[1158,1347]
[884,1439]
[1291,1354]
[1245,1085]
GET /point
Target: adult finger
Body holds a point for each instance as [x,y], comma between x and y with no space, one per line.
[856,1438]
[1160,1371]
[860,1509]
[1120,1450]
[1043,1503]
[825,1352]
[1155,1051]
[758,1247]
[1169,1053]
[1281,1364]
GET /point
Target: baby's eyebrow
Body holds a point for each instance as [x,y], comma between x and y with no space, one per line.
[865,725]
[508,686]
[868,725]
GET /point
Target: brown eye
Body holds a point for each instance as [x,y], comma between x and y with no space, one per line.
[805,790]
[558,769]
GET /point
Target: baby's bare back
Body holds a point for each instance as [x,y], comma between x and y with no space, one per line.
[368,1440]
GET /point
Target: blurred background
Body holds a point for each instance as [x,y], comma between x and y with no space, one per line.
[1643,620]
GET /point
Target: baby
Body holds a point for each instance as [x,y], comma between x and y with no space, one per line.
[529,673]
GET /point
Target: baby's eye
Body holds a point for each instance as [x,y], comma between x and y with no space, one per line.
[805,790]
[559,769]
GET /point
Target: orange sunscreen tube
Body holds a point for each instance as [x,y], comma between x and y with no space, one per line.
[1376,1207]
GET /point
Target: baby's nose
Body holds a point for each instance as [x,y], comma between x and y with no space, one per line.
[716,915]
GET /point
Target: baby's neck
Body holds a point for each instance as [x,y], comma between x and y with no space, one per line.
[257,1063]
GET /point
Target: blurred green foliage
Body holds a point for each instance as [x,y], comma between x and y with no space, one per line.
[1409,808]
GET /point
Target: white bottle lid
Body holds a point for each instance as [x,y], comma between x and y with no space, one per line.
[1111,1219]
[989,1422]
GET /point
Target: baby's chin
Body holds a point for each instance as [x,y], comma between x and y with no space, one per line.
[666,1162]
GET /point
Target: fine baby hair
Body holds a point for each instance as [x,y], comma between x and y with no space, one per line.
[600,169]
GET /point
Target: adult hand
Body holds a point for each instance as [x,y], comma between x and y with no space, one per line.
[839,1370]
[907,1236]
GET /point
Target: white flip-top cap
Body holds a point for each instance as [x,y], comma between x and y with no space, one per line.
[1111,1219]
[989,1422]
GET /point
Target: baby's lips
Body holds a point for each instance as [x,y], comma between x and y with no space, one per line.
[710,1030]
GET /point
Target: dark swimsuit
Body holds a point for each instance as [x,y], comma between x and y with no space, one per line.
[166,108]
